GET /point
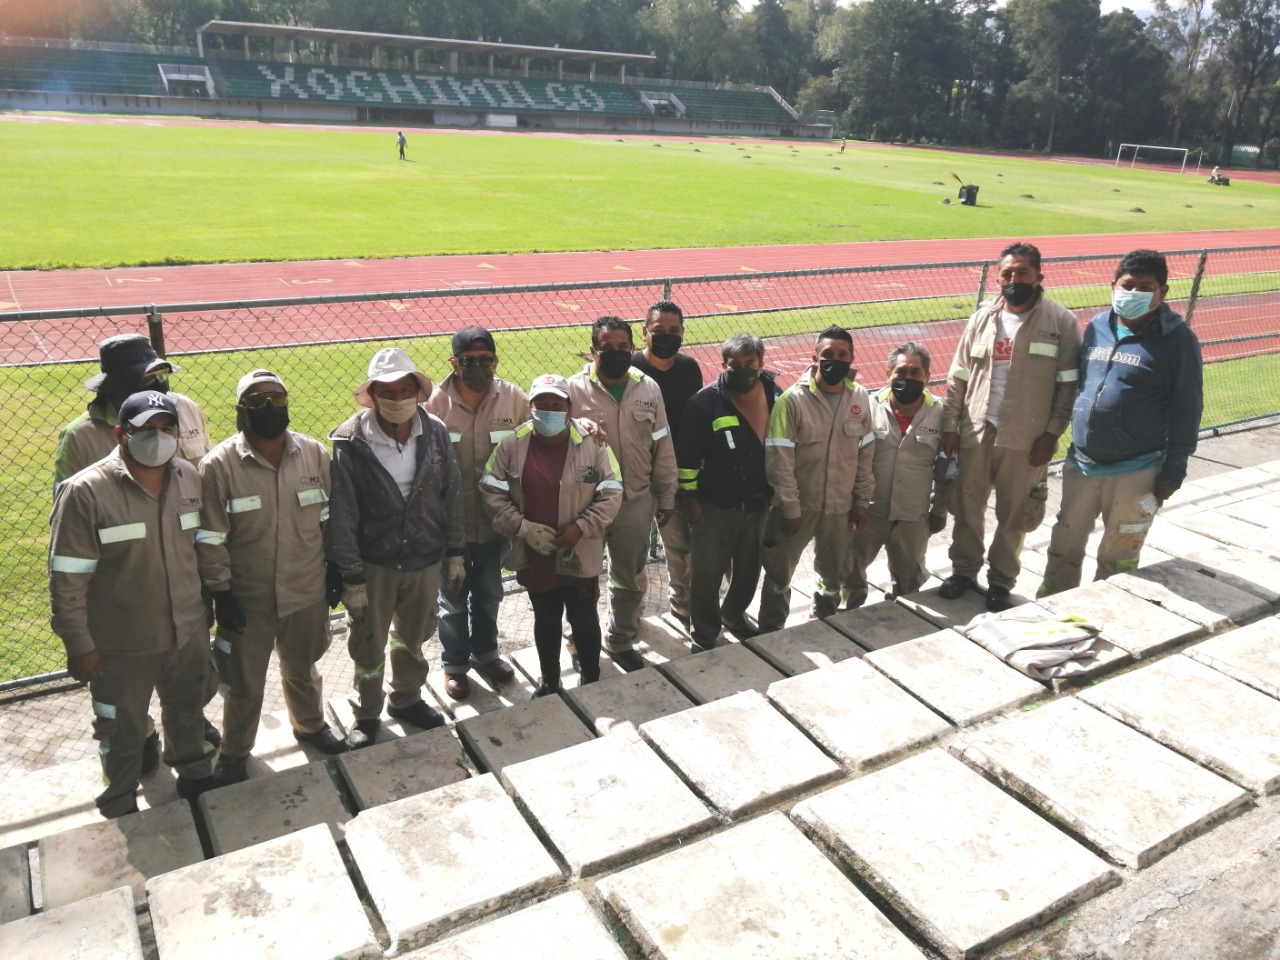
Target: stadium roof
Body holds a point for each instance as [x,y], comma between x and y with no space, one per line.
[412,42]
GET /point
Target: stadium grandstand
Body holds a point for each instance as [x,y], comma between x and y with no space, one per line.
[279,72]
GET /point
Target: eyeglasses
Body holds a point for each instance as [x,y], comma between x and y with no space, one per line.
[485,362]
[159,376]
[260,401]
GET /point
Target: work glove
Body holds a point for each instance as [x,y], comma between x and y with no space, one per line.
[539,536]
[227,612]
[355,597]
[332,584]
[455,574]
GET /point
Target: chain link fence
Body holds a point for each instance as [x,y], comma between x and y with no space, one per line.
[321,347]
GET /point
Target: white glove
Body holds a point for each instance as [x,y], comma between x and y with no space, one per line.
[455,574]
[355,597]
[539,536]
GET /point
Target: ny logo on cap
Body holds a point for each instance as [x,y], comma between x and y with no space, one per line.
[155,400]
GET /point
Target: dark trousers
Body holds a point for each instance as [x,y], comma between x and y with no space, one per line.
[578,604]
[727,542]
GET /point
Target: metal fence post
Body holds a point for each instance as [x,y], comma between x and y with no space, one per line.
[982,284]
[666,289]
[1195,285]
[155,327]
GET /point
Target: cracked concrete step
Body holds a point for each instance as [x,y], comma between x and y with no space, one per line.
[1249,654]
[522,732]
[288,897]
[403,767]
[755,890]
[1185,591]
[965,864]
[250,813]
[101,927]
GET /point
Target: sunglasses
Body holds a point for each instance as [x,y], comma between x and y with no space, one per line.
[485,362]
[260,401]
[159,376]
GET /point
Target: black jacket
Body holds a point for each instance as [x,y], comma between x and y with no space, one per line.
[719,456]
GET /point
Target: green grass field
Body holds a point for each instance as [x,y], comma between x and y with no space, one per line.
[102,194]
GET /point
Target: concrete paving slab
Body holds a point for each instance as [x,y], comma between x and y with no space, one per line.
[606,801]
[244,814]
[856,714]
[967,865]
[99,928]
[1255,510]
[880,625]
[658,642]
[1132,798]
[288,897]
[628,698]
[485,696]
[757,890]
[800,649]
[1232,532]
[1195,596]
[526,661]
[443,858]
[956,677]
[15,884]
[1203,714]
[721,672]
[1249,654]
[403,767]
[1169,537]
[522,732]
[1241,569]
[124,852]
[944,614]
[535,933]
[1132,624]
[739,752]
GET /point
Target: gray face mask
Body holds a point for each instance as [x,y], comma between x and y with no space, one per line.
[152,448]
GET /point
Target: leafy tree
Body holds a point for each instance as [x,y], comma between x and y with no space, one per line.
[1126,81]
[1182,30]
[1249,31]
[1053,37]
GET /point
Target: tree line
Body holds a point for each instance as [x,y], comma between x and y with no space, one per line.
[1053,75]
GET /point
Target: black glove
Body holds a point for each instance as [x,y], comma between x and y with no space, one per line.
[332,584]
[227,612]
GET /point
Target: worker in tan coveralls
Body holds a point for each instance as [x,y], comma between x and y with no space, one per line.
[909,502]
[629,406]
[124,588]
[818,460]
[480,411]
[262,543]
[1009,396]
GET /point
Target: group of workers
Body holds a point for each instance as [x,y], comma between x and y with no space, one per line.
[430,491]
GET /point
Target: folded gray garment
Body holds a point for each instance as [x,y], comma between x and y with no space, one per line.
[1041,647]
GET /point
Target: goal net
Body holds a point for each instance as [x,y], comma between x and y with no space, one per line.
[1162,154]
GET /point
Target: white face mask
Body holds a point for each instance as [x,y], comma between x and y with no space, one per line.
[152,448]
[1131,304]
[397,411]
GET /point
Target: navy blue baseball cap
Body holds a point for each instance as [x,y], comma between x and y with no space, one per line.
[141,407]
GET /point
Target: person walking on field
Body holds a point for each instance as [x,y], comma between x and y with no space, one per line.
[679,377]
[124,587]
[1135,424]
[262,540]
[395,531]
[400,142]
[1009,396]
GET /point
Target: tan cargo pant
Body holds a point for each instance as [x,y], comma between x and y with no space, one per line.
[904,542]
[1125,524]
[627,541]
[675,544]
[121,695]
[300,640]
[831,537]
[408,598]
[980,469]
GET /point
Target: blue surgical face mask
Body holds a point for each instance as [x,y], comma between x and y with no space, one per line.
[549,423]
[1131,304]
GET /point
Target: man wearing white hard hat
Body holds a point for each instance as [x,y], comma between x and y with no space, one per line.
[396,535]
[261,537]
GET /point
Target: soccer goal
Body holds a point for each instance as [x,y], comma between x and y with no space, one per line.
[1139,147]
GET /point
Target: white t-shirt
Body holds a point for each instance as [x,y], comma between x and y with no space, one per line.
[1006,329]
[399,459]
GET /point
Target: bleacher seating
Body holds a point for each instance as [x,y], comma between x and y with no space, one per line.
[750,106]
[57,70]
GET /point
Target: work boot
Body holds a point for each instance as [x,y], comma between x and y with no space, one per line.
[457,686]
[998,599]
[628,660]
[496,671]
[324,740]
[230,770]
[190,789]
[363,734]
[954,587]
[419,714]
[151,753]
[211,735]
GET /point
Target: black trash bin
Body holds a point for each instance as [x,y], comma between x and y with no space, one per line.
[968,195]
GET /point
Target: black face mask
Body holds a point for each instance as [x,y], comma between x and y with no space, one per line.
[614,363]
[267,422]
[666,345]
[1016,294]
[833,371]
[739,380]
[477,378]
[159,386]
[905,391]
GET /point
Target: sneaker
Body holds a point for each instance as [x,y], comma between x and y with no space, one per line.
[457,686]
[211,735]
[189,789]
[545,690]
[628,660]
[496,672]
[151,753]
[998,599]
[230,770]
[324,740]
[418,714]
[363,734]
[954,587]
